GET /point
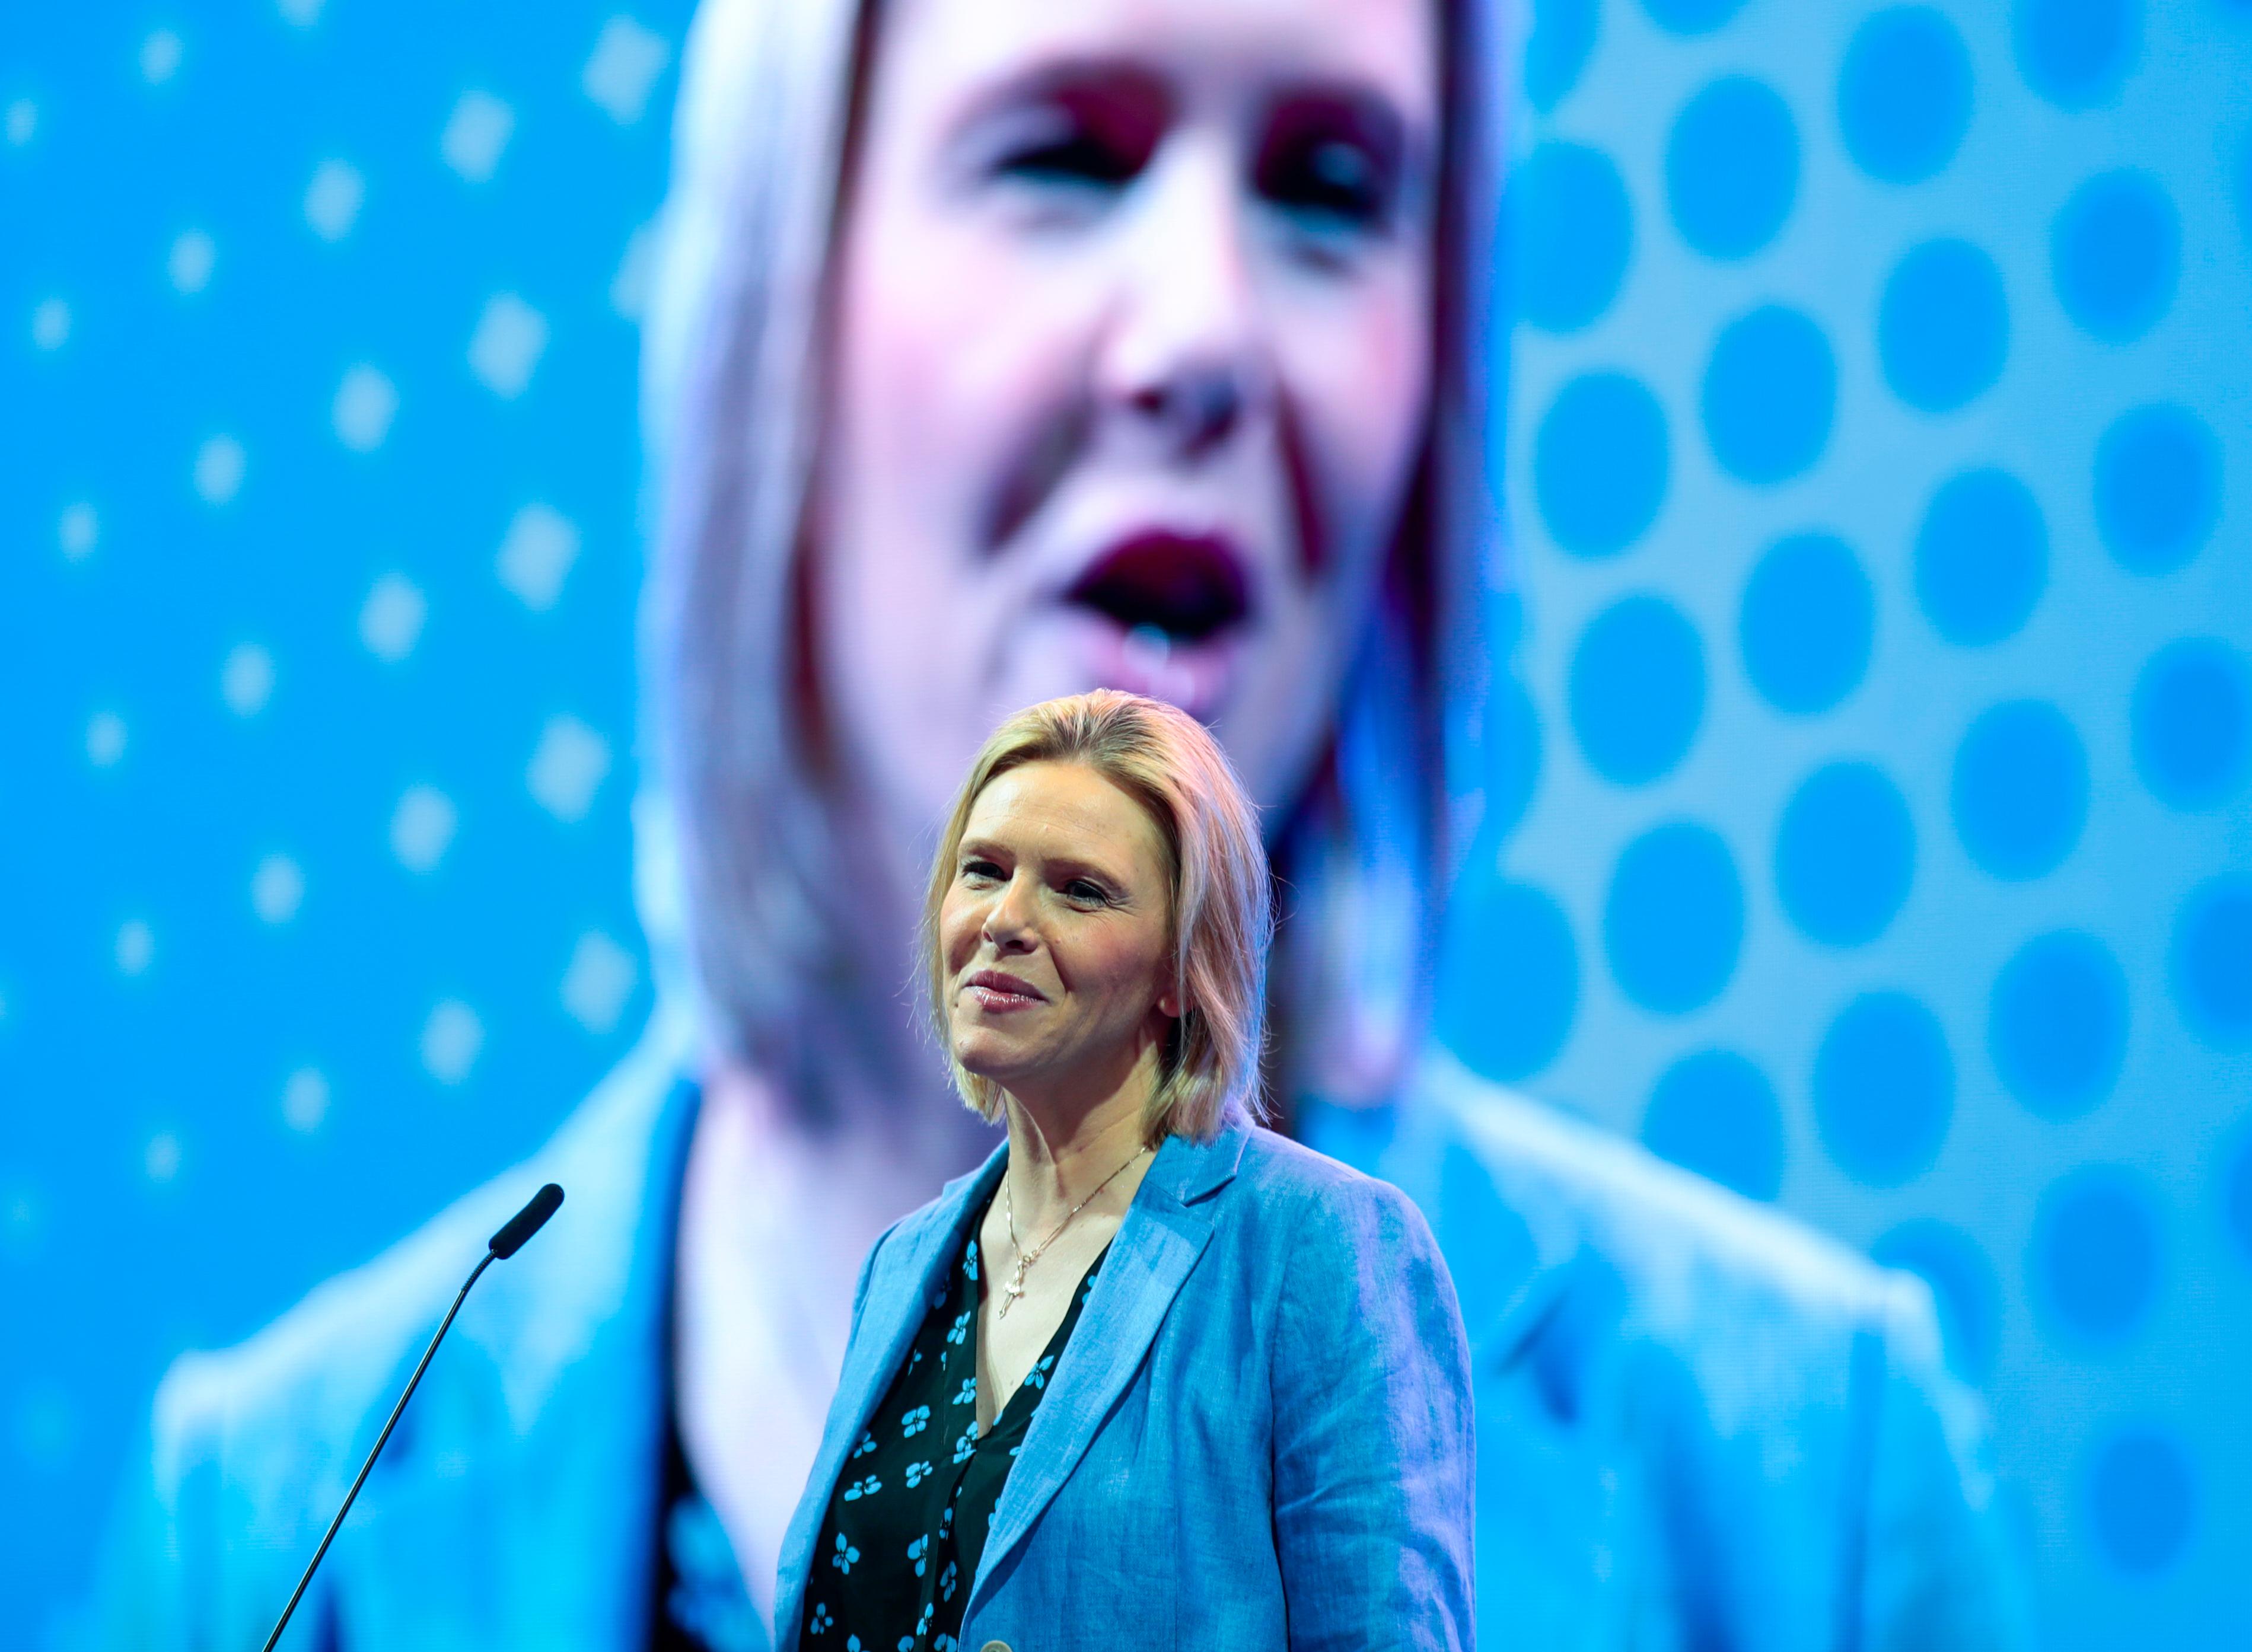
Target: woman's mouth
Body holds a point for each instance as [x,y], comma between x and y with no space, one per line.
[994,992]
[1173,608]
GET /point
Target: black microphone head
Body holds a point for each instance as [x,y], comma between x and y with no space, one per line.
[527,1221]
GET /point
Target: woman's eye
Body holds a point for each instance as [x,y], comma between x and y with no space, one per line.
[1332,164]
[1078,158]
[980,872]
[1087,893]
[1332,183]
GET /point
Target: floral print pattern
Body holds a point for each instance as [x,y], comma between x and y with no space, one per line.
[915,1528]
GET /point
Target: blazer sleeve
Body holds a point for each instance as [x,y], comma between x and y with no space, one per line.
[1937,1570]
[1373,1435]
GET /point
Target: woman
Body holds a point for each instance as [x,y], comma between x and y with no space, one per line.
[1002,350]
[1096,931]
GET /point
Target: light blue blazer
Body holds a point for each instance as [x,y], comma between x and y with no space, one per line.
[1699,1423]
[1259,1435]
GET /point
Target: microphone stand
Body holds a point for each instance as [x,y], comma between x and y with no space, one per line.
[506,1243]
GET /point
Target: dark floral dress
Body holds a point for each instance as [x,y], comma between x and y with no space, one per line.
[907,1522]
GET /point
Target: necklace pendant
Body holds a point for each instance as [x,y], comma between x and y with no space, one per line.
[1012,1290]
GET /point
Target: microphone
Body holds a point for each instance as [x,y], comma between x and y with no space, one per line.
[502,1245]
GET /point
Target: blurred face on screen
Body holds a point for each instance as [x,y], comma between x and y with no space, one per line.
[1128,370]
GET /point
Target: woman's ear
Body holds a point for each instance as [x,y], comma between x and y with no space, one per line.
[1168,1003]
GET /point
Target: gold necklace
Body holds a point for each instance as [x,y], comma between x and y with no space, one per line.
[1015,1288]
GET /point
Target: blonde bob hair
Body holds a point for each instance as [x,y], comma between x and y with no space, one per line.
[1220,919]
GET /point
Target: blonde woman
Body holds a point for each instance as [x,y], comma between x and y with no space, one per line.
[1151,1373]
[1002,350]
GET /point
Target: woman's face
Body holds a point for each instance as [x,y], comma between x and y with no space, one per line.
[1054,933]
[1128,370]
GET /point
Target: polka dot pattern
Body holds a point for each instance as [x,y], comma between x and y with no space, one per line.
[1637,689]
[1904,94]
[1884,1088]
[1876,579]
[1769,395]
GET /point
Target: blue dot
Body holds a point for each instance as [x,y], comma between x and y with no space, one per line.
[2157,488]
[1510,981]
[1884,1089]
[1568,232]
[2021,789]
[2141,1501]
[1963,1287]
[2074,52]
[1806,624]
[1600,464]
[1673,918]
[2192,722]
[1769,395]
[1715,1113]
[1732,167]
[1904,94]
[2114,253]
[1637,689]
[1691,17]
[2236,1198]
[2056,1025]
[1981,558]
[1513,744]
[1943,326]
[2212,963]
[1845,855]
[1556,50]
[2094,1264]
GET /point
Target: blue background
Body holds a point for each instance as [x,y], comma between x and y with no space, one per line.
[1866,779]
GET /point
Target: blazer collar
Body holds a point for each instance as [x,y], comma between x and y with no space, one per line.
[1164,1232]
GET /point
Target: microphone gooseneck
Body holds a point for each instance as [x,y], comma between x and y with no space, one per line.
[502,1245]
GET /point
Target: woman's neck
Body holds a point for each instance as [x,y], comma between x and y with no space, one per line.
[1066,1140]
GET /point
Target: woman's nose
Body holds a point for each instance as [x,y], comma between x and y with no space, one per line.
[1008,920]
[1184,361]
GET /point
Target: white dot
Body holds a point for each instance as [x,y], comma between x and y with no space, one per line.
[626,60]
[629,286]
[20,1221]
[333,198]
[136,946]
[597,981]
[567,765]
[304,13]
[277,888]
[189,265]
[364,404]
[422,828]
[219,465]
[507,344]
[451,1039]
[390,619]
[104,739]
[160,57]
[475,134]
[23,121]
[50,324]
[537,551]
[161,1158]
[246,681]
[78,530]
[305,1100]
[46,1428]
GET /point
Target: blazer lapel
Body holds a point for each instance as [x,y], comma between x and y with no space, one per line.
[909,1270]
[1165,1230]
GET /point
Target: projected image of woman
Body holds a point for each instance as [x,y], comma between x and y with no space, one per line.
[1002,350]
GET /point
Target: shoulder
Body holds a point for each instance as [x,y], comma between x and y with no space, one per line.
[1694,1257]
[277,1411]
[1324,1226]
[1559,1211]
